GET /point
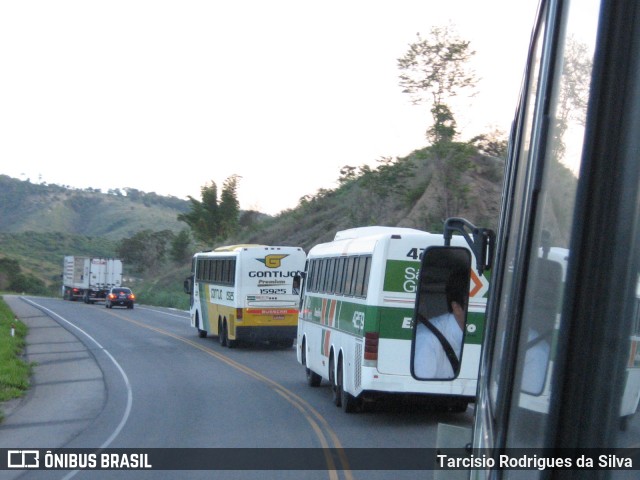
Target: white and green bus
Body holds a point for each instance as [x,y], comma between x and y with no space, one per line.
[355,327]
[246,293]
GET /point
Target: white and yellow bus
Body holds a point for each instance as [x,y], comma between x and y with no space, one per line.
[355,326]
[246,293]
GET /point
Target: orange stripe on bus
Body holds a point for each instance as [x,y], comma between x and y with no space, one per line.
[325,347]
[332,313]
[476,284]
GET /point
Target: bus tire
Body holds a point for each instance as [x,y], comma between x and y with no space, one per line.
[229,343]
[348,402]
[336,397]
[201,333]
[313,379]
[222,334]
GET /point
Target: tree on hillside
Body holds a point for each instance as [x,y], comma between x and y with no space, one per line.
[493,144]
[181,248]
[146,250]
[374,187]
[229,207]
[211,220]
[434,70]
[379,184]
[12,279]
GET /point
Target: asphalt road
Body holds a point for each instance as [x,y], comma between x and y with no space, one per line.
[118,378]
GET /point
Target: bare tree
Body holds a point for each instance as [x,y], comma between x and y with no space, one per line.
[434,70]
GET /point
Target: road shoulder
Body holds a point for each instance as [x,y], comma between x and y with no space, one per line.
[67,389]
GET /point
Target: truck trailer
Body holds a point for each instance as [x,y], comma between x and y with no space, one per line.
[90,279]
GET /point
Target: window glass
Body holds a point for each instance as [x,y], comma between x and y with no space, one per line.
[225,271]
[361,269]
[314,276]
[552,229]
[232,272]
[217,275]
[331,275]
[365,283]
[322,287]
[629,426]
[200,270]
[309,280]
[340,274]
[516,212]
[348,276]
[317,282]
[354,278]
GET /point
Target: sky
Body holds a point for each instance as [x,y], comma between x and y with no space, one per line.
[166,96]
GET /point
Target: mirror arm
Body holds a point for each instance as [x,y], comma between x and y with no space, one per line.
[480,240]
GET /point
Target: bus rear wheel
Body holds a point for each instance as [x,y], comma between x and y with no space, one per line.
[201,333]
[225,341]
[349,403]
[222,334]
[336,397]
[313,379]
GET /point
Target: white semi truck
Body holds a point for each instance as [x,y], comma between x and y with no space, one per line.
[90,279]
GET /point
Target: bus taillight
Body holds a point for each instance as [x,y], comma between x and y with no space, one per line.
[239,314]
[371,345]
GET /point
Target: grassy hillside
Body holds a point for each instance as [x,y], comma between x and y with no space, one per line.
[41,254]
[27,207]
[407,195]
[39,224]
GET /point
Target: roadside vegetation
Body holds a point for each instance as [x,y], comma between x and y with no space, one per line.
[14,372]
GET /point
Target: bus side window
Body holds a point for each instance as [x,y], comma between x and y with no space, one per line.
[348,276]
[340,274]
[440,313]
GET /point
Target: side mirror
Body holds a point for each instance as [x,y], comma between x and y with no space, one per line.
[440,313]
[187,285]
[297,280]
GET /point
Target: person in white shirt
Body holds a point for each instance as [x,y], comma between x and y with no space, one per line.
[430,358]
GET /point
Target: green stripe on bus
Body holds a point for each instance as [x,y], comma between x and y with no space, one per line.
[392,323]
[400,276]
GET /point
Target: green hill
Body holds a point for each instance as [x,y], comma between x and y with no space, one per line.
[39,224]
[28,207]
[405,193]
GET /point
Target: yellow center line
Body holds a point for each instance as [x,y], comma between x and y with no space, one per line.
[298,402]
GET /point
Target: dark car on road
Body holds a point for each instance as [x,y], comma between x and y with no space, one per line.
[120,297]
